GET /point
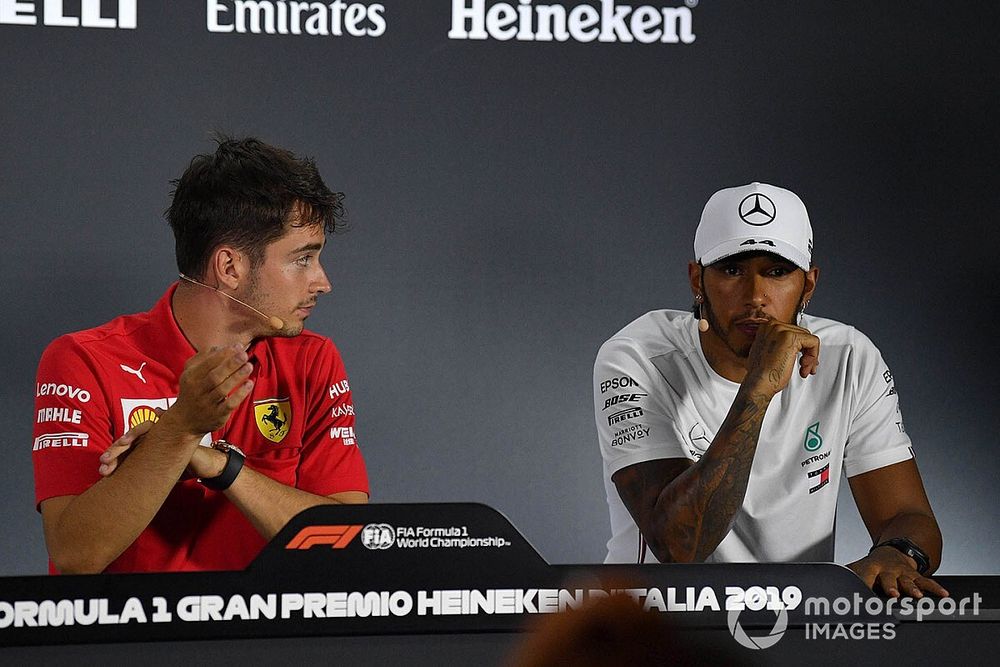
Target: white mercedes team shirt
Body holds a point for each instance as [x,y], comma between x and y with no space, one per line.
[656,397]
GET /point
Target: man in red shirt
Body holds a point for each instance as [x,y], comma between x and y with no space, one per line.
[186,437]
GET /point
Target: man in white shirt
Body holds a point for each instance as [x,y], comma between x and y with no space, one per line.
[715,449]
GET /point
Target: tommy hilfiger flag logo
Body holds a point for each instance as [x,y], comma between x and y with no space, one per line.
[824,478]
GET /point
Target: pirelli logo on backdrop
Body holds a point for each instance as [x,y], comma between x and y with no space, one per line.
[334,537]
[81,14]
[596,21]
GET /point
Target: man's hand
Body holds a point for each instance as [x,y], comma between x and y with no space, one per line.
[121,447]
[895,573]
[212,385]
[774,352]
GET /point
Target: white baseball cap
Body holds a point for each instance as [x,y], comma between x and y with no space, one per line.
[751,218]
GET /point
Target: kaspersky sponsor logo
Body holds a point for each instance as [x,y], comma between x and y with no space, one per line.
[60,440]
[87,14]
[603,21]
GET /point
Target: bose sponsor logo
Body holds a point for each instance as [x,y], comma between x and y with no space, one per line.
[58,415]
[296,18]
[339,389]
[53,389]
[605,21]
[17,12]
[345,433]
[623,398]
[61,440]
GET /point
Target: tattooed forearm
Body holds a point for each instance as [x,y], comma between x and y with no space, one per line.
[685,520]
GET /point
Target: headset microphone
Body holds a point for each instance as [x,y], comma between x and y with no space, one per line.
[276,322]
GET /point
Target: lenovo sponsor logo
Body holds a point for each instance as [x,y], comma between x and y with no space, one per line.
[89,13]
[60,440]
[334,19]
[604,21]
[53,389]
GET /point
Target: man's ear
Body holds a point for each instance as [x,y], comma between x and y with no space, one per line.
[812,277]
[694,276]
[228,267]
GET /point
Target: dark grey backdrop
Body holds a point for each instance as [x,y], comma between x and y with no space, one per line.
[513,205]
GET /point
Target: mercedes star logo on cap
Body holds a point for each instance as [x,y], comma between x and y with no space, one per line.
[757,210]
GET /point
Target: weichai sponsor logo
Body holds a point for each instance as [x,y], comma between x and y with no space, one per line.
[603,21]
[334,537]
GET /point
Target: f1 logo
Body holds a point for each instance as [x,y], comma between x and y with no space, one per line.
[337,537]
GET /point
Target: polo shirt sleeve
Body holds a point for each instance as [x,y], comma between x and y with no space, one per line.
[877,437]
[634,417]
[331,461]
[73,422]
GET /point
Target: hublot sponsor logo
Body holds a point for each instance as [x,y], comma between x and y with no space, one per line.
[604,21]
[278,17]
[339,389]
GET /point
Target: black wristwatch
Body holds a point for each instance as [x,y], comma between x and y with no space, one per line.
[234,464]
[910,549]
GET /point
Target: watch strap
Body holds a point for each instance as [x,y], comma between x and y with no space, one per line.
[234,464]
[908,548]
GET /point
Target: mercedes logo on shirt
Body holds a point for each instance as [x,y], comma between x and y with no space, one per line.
[757,210]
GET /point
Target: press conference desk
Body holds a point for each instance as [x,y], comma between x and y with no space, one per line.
[457,583]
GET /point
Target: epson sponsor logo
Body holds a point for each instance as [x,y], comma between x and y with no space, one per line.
[296,18]
[53,389]
[60,440]
[339,389]
[631,413]
[623,398]
[604,21]
[54,13]
[342,411]
[630,434]
[345,433]
[58,415]
[617,383]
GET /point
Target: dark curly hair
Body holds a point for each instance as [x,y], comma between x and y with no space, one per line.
[244,195]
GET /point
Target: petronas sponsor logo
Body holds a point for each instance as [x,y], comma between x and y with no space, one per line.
[813,439]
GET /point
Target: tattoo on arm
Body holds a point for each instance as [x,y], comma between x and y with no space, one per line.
[685,510]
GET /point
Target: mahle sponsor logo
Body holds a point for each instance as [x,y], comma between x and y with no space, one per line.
[604,21]
[82,14]
[334,19]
